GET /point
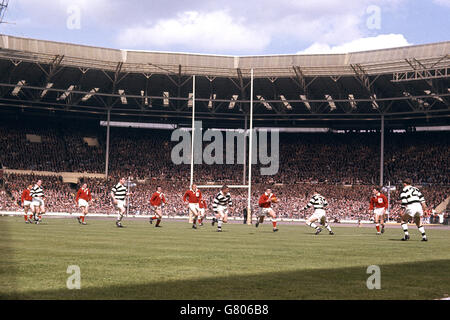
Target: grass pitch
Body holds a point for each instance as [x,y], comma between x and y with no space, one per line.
[243,262]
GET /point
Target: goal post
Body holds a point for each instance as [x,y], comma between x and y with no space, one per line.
[247,186]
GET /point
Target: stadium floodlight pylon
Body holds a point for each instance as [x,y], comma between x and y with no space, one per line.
[247,186]
[3,7]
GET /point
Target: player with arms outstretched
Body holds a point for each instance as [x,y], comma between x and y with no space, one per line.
[318,202]
[378,205]
[222,201]
[413,206]
[25,201]
[157,201]
[193,196]
[82,199]
[265,203]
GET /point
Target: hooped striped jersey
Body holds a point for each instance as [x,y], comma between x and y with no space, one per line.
[411,195]
[119,191]
[222,200]
[317,201]
[36,192]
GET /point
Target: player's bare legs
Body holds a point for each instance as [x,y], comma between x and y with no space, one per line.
[222,218]
[82,218]
[260,219]
[273,215]
[194,215]
[120,210]
[324,222]
[310,223]
[418,221]
[36,214]
[27,216]
[379,221]
[157,216]
[41,212]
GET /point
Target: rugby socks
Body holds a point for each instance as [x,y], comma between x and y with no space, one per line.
[25,216]
[158,221]
[274,223]
[312,225]
[378,227]
[200,220]
[219,224]
[328,227]
[422,231]
[82,218]
[405,228]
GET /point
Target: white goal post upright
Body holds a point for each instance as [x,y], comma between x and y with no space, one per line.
[250,149]
[193,131]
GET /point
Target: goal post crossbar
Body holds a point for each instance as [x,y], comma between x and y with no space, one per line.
[217,186]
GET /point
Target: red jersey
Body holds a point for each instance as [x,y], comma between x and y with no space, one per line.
[265,200]
[378,201]
[193,197]
[26,196]
[157,198]
[84,194]
[203,204]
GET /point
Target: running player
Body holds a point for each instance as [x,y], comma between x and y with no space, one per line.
[157,201]
[265,203]
[378,206]
[413,206]
[26,203]
[221,202]
[82,199]
[37,203]
[118,194]
[202,212]
[319,203]
[193,196]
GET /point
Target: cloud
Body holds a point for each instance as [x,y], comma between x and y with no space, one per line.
[193,30]
[382,41]
[444,3]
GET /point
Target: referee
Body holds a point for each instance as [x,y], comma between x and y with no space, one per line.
[118,194]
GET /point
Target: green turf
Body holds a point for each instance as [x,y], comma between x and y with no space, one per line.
[176,262]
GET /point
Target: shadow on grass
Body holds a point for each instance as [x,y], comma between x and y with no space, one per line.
[418,280]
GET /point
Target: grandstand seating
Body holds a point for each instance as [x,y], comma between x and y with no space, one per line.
[326,160]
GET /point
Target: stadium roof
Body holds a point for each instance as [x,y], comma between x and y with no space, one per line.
[406,85]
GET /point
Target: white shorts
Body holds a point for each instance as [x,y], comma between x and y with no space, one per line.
[264,211]
[37,202]
[221,210]
[194,207]
[83,203]
[319,214]
[379,212]
[26,203]
[414,210]
[120,204]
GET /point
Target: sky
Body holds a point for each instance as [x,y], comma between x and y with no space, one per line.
[232,27]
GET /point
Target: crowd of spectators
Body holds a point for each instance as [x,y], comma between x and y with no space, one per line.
[342,167]
[345,202]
